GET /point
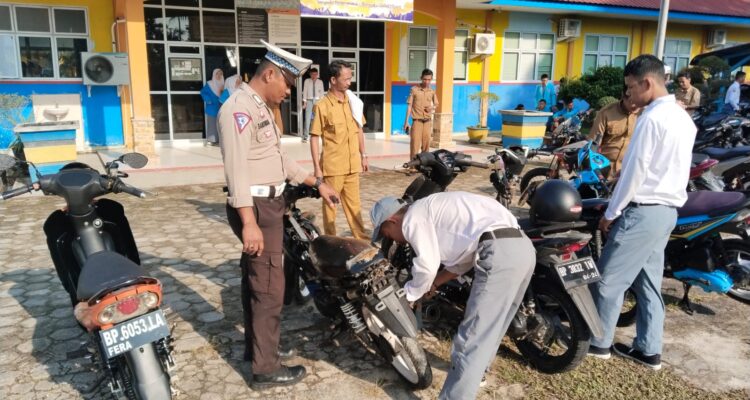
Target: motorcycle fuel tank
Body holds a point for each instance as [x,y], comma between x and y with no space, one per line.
[336,257]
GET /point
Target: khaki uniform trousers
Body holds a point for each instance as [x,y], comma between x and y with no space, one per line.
[348,188]
[262,285]
[421,133]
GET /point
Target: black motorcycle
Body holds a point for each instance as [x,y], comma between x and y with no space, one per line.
[553,325]
[96,258]
[352,284]
[507,166]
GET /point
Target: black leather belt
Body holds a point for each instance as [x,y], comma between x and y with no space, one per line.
[634,204]
[424,120]
[502,233]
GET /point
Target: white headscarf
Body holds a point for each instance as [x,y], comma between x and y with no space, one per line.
[231,83]
[217,82]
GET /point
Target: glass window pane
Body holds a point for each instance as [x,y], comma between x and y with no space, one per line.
[177,82]
[459,65]
[592,43]
[528,41]
[417,62]
[461,40]
[526,67]
[372,34]
[371,71]
[36,57]
[220,57]
[32,19]
[432,60]
[606,43]
[433,38]
[373,112]
[604,61]
[182,3]
[315,32]
[546,42]
[682,62]
[160,114]
[512,40]
[225,4]
[620,61]
[672,62]
[187,116]
[154,23]
[343,33]
[544,66]
[9,62]
[670,47]
[69,56]
[157,73]
[70,21]
[154,2]
[589,63]
[5,18]
[684,47]
[621,44]
[183,25]
[418,37]
[218,27]
[510,66]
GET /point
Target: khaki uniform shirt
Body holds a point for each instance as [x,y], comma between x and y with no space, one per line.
[251,147]
[615,127]
[419,99]
[332,120]
[690,97]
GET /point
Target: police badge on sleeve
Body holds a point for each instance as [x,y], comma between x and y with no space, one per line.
[241,120]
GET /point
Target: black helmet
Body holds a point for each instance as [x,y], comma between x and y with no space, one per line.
[555,201]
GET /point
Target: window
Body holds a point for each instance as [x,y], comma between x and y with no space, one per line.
[527,55]
[677,54]
[42,42]
[603,50]
[423,52]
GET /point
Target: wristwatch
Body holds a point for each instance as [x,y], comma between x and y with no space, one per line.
[318,182]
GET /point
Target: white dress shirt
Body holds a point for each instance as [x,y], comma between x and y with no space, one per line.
[733,96]
[656,166]
[445,228]
[312,89]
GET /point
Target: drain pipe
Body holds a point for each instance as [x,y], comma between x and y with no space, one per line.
[115,39]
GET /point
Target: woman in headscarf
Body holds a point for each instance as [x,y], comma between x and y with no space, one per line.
[230,85]
[211,93]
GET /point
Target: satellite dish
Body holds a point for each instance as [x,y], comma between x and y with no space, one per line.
[99,69]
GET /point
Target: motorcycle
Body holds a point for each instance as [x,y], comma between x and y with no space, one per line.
[697,254]
[733,166]
[722,131]
[590,170]
[96,258]
[702,176]
[553,325]
[507,166]
[569,131]
[352,284]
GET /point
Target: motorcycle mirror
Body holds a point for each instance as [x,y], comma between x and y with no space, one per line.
[134,160]
[6,162]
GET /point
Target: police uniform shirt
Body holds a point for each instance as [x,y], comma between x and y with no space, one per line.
[332,120]
[420,98]
[615,126]
[251,147]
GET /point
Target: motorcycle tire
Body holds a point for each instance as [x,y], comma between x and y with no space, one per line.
[628,310]
[410,362]
[738,250]
[552,299]
[533,173]
[146,364]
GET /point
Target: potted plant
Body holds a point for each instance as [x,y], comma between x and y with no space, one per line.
[14,110]
[480,131]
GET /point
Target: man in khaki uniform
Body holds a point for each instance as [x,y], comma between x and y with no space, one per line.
[422,101]
[687,95]
[612,130]
[255,168]
[343,155]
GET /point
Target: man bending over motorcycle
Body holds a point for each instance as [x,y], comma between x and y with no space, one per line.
[463,230]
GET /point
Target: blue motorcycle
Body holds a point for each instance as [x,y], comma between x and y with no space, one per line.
[588,171]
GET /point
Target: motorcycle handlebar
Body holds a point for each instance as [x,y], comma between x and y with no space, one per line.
[131,190]
[412,163]
[16,192]
[469,163]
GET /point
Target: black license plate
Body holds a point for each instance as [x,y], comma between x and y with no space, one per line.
[581,271]
[134,333]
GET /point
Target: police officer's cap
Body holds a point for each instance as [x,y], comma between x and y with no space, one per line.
[285,60]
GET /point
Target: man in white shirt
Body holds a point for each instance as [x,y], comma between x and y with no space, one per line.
[463,231]
[312,91]
[732,99]
[643,209]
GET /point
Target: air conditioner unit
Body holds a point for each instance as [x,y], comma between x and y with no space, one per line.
[105,69]
[717,37]
[569,29]
[484,43]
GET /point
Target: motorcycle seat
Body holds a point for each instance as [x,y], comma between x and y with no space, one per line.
[331,255]
[721,154]
[104,270]
[713,119]
[538,231]
[712,203]
[699,158]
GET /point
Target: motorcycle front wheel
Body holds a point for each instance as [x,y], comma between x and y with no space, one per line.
[410,362]
[563,340]
[738,253]
[534,175]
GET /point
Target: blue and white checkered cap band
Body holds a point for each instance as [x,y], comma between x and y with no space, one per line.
[282,62]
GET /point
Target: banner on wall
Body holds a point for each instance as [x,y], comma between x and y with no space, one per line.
[381,10]
[284,27]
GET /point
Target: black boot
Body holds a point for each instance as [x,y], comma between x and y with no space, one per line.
[282,377]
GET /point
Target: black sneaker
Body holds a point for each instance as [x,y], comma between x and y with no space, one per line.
[653,362]
[284,376]
[599,352]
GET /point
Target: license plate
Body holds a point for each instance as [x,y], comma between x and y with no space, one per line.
[134,333]
[578,272]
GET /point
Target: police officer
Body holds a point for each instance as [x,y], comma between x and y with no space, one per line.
[255,168]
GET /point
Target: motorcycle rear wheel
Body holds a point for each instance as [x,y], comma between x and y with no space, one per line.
[147,363]
[738,252]
[532,174]
[410,362]
[571,335]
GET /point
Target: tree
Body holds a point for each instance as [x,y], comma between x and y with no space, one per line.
[592,86]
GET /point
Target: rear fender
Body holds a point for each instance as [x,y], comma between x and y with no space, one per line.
[583,300]
[392,309]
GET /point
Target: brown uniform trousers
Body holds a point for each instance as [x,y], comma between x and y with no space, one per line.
[421,133]
[421,101]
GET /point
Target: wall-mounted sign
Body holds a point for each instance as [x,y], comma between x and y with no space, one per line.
[382,10]
[267,4]
[284,27]
[252,25]
[185,69]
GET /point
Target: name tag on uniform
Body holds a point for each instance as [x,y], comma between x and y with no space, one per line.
[263,124]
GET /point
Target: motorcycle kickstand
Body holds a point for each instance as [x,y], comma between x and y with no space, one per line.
[685,303]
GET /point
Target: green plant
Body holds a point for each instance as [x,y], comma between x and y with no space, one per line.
[13,111]
[605,101]
[715,66]
[592,86]
[485,100]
